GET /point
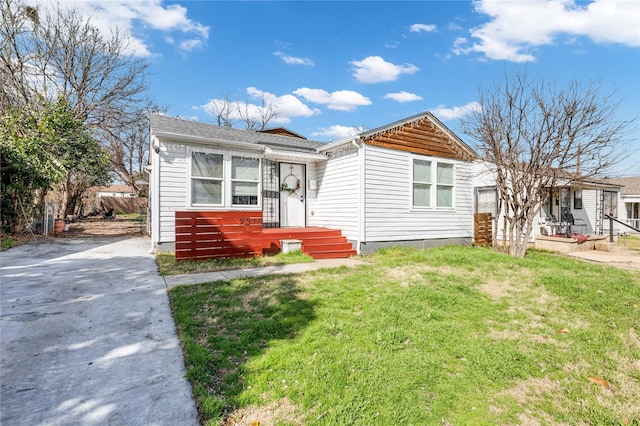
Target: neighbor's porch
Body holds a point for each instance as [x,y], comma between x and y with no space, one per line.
[579,209]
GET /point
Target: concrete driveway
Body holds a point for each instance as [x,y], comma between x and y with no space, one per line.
[87,337]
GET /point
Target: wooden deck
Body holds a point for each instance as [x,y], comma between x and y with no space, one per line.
[211,235]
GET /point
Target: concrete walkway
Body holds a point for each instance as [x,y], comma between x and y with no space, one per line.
[174,280]
[88,338]
[626,259]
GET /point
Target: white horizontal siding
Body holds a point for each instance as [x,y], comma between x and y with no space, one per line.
[174,183]
[483,174]
[588,211]
[173,188]
[335,202]
[389,214]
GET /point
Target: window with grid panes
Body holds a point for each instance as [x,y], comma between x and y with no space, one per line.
[207,176]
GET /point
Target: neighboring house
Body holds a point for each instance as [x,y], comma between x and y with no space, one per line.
[406,183]
[120,191]
[629,200]
[587,201]
[119,198]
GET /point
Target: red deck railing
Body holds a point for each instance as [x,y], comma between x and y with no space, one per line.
[210,235]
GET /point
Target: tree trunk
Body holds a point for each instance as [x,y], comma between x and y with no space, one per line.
[64,191]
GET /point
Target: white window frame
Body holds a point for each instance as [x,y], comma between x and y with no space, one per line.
[434,184]
[257,181]
[191,203]
[414,182]
[447,185]
[227,196]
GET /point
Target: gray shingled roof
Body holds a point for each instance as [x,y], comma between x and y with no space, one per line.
[631,185]
[177,126]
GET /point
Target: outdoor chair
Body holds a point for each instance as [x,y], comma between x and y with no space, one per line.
[547,226]
[563,227]
[577,223]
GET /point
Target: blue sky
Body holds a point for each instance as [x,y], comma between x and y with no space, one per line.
[329,67]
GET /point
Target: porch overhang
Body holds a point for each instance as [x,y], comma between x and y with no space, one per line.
[586,185]
[293,156]
[630,198]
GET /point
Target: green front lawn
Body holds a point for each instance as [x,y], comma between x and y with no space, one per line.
[446,336]
[167,264]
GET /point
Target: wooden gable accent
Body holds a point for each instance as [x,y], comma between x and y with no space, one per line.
[282,131]
[421,136]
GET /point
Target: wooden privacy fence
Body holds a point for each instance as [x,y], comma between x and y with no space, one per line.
[210,235]
[123,205]
[482,229]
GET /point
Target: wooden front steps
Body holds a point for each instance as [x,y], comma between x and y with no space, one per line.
[317,242]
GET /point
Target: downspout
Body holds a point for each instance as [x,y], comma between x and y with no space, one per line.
[362,195]
[155,209]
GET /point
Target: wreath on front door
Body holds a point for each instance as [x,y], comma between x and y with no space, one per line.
[290,184]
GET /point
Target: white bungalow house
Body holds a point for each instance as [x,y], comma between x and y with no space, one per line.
[583,204]
[406,183]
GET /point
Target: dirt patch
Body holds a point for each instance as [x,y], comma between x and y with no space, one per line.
[89,228]
[532,389]
[95,227]
[407,276]
[496,290]
[278,412]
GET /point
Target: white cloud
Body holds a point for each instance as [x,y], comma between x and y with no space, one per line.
[341,100]
[337,132]
[374,69]
[416,28]
[444,113]
[189,45]
[292,60]
[134,18]
[403,96]
[516,28]
[287,106]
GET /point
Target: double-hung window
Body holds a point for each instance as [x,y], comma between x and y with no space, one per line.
[245,179]
[444,185]
[433,184]
[421,183]
[207,177]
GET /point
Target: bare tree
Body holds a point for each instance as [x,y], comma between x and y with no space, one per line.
[16,55]
[256,117]
[60,54]
[535,136]
[129,153]
[222,110]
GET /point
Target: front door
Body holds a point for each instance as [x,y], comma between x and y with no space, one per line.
[292,195]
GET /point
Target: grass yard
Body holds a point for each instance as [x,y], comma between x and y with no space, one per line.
[6,243]
[630,242]
[167,264]
[445,336]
